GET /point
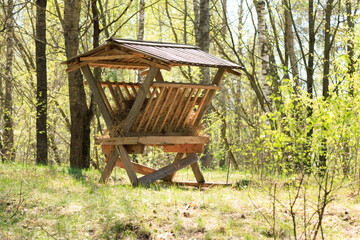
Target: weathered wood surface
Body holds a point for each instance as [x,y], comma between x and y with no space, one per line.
[200,185]
[162,84]
[171,177]
[144,170]
[152,140]
[168,170]
[131,149]
[197,172]
[184,148]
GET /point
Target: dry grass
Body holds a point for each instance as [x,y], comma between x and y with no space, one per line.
[59,203]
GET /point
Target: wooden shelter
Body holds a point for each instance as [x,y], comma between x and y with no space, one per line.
[157,113]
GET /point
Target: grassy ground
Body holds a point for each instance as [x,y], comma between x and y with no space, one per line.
[57,203]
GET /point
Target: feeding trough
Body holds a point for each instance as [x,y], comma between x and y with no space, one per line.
[154,112]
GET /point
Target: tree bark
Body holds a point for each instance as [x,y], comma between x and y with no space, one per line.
[8,133]
[80,113]
[263,47]
[41,90]
[204,35]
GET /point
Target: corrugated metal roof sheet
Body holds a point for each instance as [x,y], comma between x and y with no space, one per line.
[174,53]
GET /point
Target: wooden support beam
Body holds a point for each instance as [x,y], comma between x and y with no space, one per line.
[110,57]
[124,156]
[109,166]
[197,172]
[159,77]
[171,177]
[130,118]
[144,170]
[199,185]
[131,149]
[97,96]
[152,140]
[170,169]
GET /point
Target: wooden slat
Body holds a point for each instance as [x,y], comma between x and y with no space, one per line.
[152,140]
[165,103]
[170,169]
[169,110]
[184,108]
[158,99]
[133,90]
[146,109]
[113,94]
[130,118]
[121,95]
[178,107]
[109,57]
[191,108]
[127,92]
[200,105]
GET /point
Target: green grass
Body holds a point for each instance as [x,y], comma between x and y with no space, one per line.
[59,203]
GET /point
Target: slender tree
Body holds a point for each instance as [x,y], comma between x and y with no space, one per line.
[8,134]
[41,90]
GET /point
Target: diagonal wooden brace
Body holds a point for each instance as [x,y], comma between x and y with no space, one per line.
[168,170]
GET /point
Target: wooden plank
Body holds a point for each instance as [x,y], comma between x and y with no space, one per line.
[130,118]
[217,79]
[133,90]
[169,84]
[171,177]
[158,100]
[113,94]
[127,164]
[184,108]
[199,185]
[111,64]
[144,170]
[159,113]
[170,109]
[236,73]
[191,108]
[170,169]
[131,149]
[146,109]
[109,57]
[184,148]
[104,97]
[153,140]
[97,96]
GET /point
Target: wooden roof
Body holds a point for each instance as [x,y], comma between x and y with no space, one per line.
[135,54]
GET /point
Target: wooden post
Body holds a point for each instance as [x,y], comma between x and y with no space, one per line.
[197,172]
[119,150]
[171,177]
[130,118]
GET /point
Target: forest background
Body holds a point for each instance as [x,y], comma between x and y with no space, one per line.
[294,110]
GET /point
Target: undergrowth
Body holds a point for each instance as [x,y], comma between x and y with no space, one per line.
[39,202]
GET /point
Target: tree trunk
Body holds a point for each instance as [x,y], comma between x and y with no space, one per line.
[141,29]
[80,113]
[263,47]
[196,21]
[8,134]
[326,60]
[41,91]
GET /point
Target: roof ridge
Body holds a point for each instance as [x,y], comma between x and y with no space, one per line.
[151,43]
